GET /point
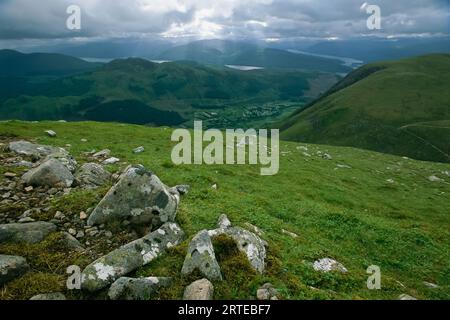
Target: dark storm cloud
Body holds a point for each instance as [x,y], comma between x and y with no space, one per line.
[259,19]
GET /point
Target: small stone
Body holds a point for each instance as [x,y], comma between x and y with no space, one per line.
[214,186]
[139,150]
[430,285]
[72,231]
[267,292]
[327,265]
[102,154]
[10,175]
[291,234]
[83,140]
[49,296]
[80,234]
[83,215]
[29,189]
[111,161]
[26,220]
[51,133]
[434,179]
[59,215]
[199,290]
[406,297]
[108,234]
[11,267]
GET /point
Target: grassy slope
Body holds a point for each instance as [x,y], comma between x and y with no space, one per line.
[352,215]
[374,107]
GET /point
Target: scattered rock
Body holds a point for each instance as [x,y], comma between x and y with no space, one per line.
[430,285]
[33,232]
[199,290]
[327,156]
[71,242]
[111,161]
[26,220]
[129,257]
[72,231]
[50,173]
[29,189]
[435,179]
[51,133]
[139,196]
[136,288]
[9,175]
[343,166]
[327,265]
[406,297]
[83,215]
[290,234]
[201,256]
[139,150]
[11,267]
[102,154]
[49,296]
[267,292]
[92,175]
[182,189]
[214,186]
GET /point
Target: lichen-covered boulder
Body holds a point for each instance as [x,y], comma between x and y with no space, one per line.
[199,290]
[201,256]
[247,242]
[92,175]
[129,257]
[139,197]
[32,232]
[11,267]
[50,173]
[137,288]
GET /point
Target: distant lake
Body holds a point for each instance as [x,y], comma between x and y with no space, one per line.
[243,68]
[348,62]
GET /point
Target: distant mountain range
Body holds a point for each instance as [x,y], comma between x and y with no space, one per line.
[139,91]
[219,52]
[400,107]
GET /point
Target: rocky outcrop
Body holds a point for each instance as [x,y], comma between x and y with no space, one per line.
[129,257]
[137,288]
[199,290]
[139,197]
[92,175]
[35,151]
[50,173]
[33,232]
[201,256]
[11,267]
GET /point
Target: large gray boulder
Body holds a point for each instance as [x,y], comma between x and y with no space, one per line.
[43,153]
[201,256]
[199,290]
[36,151]
[32,232]
[11,267]
[50,173]
[92,175]
[136,288]
[129,257]
[139,197]
[247,242]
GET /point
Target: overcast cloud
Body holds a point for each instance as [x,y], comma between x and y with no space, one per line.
[257,19]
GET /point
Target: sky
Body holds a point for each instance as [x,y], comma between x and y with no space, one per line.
[267,20]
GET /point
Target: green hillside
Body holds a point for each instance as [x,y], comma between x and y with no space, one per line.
[361,208]
[142,92]
[14,63]
[400,107]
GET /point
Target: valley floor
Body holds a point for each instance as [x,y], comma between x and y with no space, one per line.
[360,208]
